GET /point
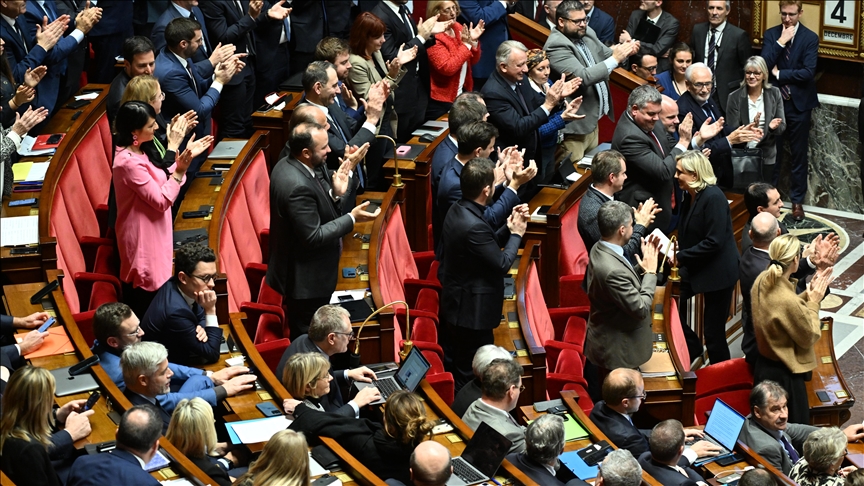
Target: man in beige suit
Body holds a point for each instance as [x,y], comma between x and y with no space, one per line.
[619,326]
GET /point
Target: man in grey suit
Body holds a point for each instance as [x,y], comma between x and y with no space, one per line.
[544,442]
[502,384]
[665,451]
[652,12]
[768,433]
[619,326]
[573,48]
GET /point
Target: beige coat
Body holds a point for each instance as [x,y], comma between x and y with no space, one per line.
[363,75]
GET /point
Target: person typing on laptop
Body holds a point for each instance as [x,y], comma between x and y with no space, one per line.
[666,447]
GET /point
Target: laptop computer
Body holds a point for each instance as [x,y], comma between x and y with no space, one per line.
[724,425]
[481,457]
[409,376]
[566,169]
[64,384]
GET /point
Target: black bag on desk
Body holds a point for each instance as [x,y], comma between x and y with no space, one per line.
[746,167]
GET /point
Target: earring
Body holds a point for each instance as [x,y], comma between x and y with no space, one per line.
[135,140]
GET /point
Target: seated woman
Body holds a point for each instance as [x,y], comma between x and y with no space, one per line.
[284,462]
[192,431]
[307,377]
[824,451]
[34,447]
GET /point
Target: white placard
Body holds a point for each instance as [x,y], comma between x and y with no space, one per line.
[839,13]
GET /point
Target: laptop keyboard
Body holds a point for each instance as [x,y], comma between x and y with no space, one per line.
[466,473]
[386,387]
[709,439]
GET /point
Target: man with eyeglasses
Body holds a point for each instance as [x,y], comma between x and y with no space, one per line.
[116,328]
[501,386]
[330,333]
[790,50]
[643,64]
[182,315]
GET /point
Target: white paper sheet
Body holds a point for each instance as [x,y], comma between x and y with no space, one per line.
[260,430]
[20,230]
[26,148]
[89,96]
[358,294]
[177,482]
[574,176]
[37,171]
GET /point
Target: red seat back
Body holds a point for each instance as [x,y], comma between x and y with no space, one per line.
[678,339]
[535,305]
[573,259]
[272,351]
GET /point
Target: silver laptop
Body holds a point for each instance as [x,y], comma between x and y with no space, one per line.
[64,384]
[481,457]
[227,149]
[409,376]
[724,425]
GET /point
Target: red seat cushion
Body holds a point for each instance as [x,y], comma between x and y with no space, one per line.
[272,351]
[535,305]
[573,259]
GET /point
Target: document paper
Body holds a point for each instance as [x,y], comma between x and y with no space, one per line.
[19,230]
[255,431]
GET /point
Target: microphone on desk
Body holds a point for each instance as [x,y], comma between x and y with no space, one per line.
[354,358]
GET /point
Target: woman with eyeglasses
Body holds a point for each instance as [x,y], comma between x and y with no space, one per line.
[307,377]
[824,451]
[756,100]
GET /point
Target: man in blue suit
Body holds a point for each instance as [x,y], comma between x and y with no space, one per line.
[494,14]
[106,38]
[208,55]
[137,443]
[790,50]
[602,23]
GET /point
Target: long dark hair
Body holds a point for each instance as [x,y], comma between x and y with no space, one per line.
[6,69]
[134,115]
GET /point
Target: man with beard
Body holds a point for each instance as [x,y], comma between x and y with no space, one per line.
[573,49]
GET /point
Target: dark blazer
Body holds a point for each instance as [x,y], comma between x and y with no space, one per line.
[226,26]
[539,473]
[669,26]
[707,249]
[731,55]
[444,153]
[181,95]
[27,462]
[769,448]
[115,94]
[619,430]
[738,114]
[603,25]
[721,159]
[353,130]
[466,395]
[307,20]
[201,56]
[799,72]
[665,474]
[650,171]
[473,267]
[171,321]
[21,57]
[210,468]
[495,16]
[115,467]
[116,18]
[137,399]
[516,125]
[589,231]
[333,402]
[76,60]
[306,229]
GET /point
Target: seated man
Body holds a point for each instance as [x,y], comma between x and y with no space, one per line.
[329,334]
[502,384]
[148,376]
[666,448]
[768,433]
[471,391]
[116,328]
[182,315]
[623,393]
[430,464]
[643,64]
[14,351]
[544,442]
[137,443]
[619,468]
[756,477]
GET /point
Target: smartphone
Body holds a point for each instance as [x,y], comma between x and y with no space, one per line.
[27,250]
[44,327]
[78,104]
[346,298]
[23,202]
[729,460]
[268,409]
[403,149]
[94,397]
[54,139]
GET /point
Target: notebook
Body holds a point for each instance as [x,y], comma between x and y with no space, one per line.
[409,376]
[481,457]
[227,150]
[724,425]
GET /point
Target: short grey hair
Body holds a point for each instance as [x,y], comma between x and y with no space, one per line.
[688,74]
[327,319]
[620,469]
[763,391]
[823,447]
[728,4]
[544,438]
[643,95]
[484,356]
[142,359]
[504,50]
[757,62]
[613,215]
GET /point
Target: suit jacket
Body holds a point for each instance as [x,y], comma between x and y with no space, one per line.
[589,231]
[495,16]
[115,467]
[762,443]
[444,153]
[650,171]
[307,20]
[115,94]
[565,57]
[137,399]
[516,125]
[619,430]
[539,473]
[116,18]
[216,473]
[707,249]
[201,56]
[181,95]
[306,230]
[738,114]
[171,321]
[619,325]
[730,56]
[21,56]
[333,402]
[353,130]
[479,411]
[77,58]
[665,474]
[27,462]
[603,25]
[225,25]
[799,72]
[721,159]
[668,35]
[364,74]
[466,395]
[473,267]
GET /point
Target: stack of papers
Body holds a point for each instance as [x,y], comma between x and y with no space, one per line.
[659,365]
[89,96]
[589,156]
[19,230]
[432,127]
[29,171]
[26,148]
[258,430]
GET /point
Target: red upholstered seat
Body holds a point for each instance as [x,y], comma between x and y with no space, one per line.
[585,402]
[572,261]
[442,381]
[569,369]
[84,322]
[272,352]
[737,399]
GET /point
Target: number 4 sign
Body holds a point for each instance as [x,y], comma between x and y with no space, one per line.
[839,13]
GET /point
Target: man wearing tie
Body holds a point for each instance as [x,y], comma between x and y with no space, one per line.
[602,23]
[651,11]
[791,50]
[77,59]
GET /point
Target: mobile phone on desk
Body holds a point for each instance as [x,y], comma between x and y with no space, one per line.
[23,202]
[44,327]
[269,409]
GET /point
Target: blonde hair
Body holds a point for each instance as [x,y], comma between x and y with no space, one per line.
[143,88]
[405,418]
[302,370]
[695,162]
[27,403]
[191,428]
[757,62]
[284,462]
[434,7]
[783,251]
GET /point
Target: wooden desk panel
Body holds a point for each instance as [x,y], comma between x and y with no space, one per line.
[828,377]
[276,122]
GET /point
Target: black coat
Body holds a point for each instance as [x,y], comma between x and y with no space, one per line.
[333,401]
[665,474]
[516,125]
[27,462]
[731,56]
[707,249]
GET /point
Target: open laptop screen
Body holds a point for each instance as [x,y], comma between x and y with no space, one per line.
[413,370]
[487,449]
[724,424]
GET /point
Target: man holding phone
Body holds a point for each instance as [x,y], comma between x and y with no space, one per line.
[13,350]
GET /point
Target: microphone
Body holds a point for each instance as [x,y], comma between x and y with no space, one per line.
[354,358]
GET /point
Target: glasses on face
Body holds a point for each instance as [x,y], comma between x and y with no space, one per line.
[787,14]
[205,278]
[643,396]
[160,96]
[349,334]
[703,85]
[521,388]
[135,332]
[582,21]
[752,74]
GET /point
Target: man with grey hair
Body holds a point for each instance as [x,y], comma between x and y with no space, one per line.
[544,442]
[502,384]
[575,49]
[471,391]
[666,446]
[329,334]
[515,108]
[619,468]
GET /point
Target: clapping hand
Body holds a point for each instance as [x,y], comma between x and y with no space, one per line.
[33,76]
[645,213]
[570,111]
[177,132]
[570,87]
[23,94]
[819,284]
[650,250]
[278,11]
[406,55]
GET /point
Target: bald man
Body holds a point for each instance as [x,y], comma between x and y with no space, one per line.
[430,464]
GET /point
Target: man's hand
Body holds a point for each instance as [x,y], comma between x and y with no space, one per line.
[361,215]
[278,11]
[349,98]
[570,111]
[406,55]
[77,424]
[32,321]
[289,404]
[621,52]
[854,432]
[522,175]
[201,334]
[32,341]
[366,396]
[786,35]
[776,72]
[48,35]
[517,223]
[207,300]
[225,374]
[33,76]
[650,249]
[374,102]
[221,53]
[363,374]
[24,123]
[238,384]
[694,433]
[353,157]
[703,448]
[87,18]
[554,94]
[709,130]
[255,7]
[624,37]
[685,130]
[646,212]
[500,174]
[824,250]
[570,87]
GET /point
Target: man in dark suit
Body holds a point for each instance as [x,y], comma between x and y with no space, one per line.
[723,47]
[313,20]
[643,64]
[790,50]
[182,315]
[272,61]
[546,16]
[106,38]
[651,11]
[602,23]
[307,225]
[494,14]
[473,267]
[623,394]
[208,55]
[666,446]
[137,443]
[139,57]
[13,350]
[544,442]
[336,51]
[429,465]
[329,334]
[77,59]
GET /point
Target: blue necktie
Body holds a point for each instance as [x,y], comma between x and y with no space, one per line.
[49,11]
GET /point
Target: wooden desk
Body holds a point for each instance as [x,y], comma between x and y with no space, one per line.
[276,122]
[828,377]
[751,458]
